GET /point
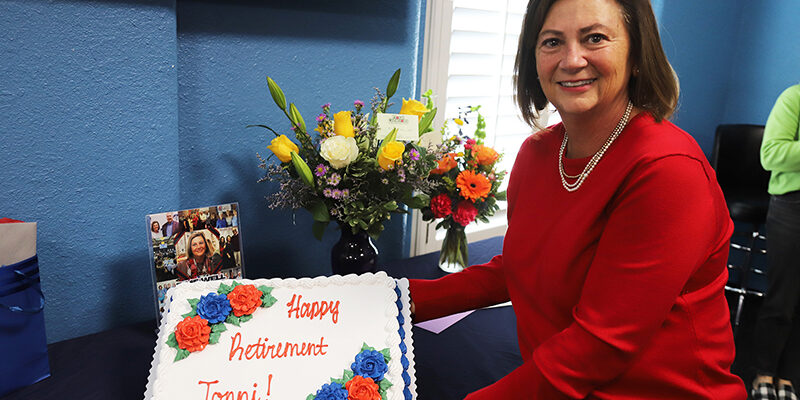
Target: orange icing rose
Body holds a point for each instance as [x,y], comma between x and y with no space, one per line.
[360,388]
[192,333]
[447,163]
[244,299]
[484,154]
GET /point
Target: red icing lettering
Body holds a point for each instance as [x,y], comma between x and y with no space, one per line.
[231,394]
[260,350]
[314,309]
[208,387]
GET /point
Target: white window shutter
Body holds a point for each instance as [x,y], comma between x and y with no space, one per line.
[470,48]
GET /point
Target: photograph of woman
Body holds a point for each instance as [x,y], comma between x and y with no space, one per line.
[155,230]
[618,233]
[201,258]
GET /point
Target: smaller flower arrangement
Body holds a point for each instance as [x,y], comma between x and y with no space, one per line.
[341,171]
[203,325]
[363,381]
[467,182]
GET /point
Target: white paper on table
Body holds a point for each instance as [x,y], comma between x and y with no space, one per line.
[17,242]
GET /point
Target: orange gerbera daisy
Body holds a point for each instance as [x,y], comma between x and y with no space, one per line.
[473,186]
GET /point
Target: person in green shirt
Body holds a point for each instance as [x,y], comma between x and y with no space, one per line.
[778,324]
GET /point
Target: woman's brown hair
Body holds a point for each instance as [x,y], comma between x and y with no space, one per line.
[653,85]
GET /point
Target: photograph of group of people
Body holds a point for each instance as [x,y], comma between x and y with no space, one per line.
[195,244]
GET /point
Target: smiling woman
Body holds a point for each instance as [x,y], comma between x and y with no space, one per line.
[615,254]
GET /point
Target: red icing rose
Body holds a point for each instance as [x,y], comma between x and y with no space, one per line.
[192,333]
[245,299]
[360,388]
[441,205]
[465,213]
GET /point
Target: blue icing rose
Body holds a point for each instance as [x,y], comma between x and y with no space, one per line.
[370,364]
[214,307]
[331,391]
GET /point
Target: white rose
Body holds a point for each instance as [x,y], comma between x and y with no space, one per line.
[339,151]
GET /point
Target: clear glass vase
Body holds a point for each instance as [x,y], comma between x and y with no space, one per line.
[454,255]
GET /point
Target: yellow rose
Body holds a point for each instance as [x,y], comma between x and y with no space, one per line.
[392,152]
[283,148]
[413,107]
[342,124]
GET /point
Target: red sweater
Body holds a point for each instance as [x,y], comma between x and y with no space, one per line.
[618,287]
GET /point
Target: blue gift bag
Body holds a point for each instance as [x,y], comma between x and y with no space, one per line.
[23,344]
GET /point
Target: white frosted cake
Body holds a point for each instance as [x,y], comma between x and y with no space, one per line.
[324,338]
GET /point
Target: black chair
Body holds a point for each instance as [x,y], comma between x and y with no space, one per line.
[744,182]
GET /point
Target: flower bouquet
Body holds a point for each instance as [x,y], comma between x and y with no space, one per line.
[345,172]
[466,188]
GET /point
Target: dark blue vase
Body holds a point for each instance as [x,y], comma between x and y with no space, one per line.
[354,253]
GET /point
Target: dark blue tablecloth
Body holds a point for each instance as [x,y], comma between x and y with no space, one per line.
[473,353]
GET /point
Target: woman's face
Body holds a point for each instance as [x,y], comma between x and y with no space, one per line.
[582,57]
[198,246]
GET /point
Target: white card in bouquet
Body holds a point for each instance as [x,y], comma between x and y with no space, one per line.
[17,242]
[407,126]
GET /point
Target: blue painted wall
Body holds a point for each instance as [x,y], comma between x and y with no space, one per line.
[318,51]
[733,58]
[699,39]
[766,61]
[114,109]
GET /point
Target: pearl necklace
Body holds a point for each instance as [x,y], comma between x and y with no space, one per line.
[571,187]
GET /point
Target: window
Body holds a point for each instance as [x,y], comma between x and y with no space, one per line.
[468,60]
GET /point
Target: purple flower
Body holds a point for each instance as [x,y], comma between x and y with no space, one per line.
[358,103]
[327,192]
[320,170]
[414,154]
[337,194]
[345,193]
[401,173]
[321,117]
[326,105]
[334,179]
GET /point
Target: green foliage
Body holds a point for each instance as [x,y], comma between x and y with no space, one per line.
[361,196]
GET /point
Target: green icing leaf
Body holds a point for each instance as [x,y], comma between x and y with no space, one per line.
[339,381]
[218,328]
[347,375]
[213,338]
[268,300]
[189,314]
[193,302]
[366,347]
[172,341]
[232,319]
[182,353]
[245,318]
[224,289]
[384,385]
[311,397]
[265,289]
[235,284]
[386,355]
